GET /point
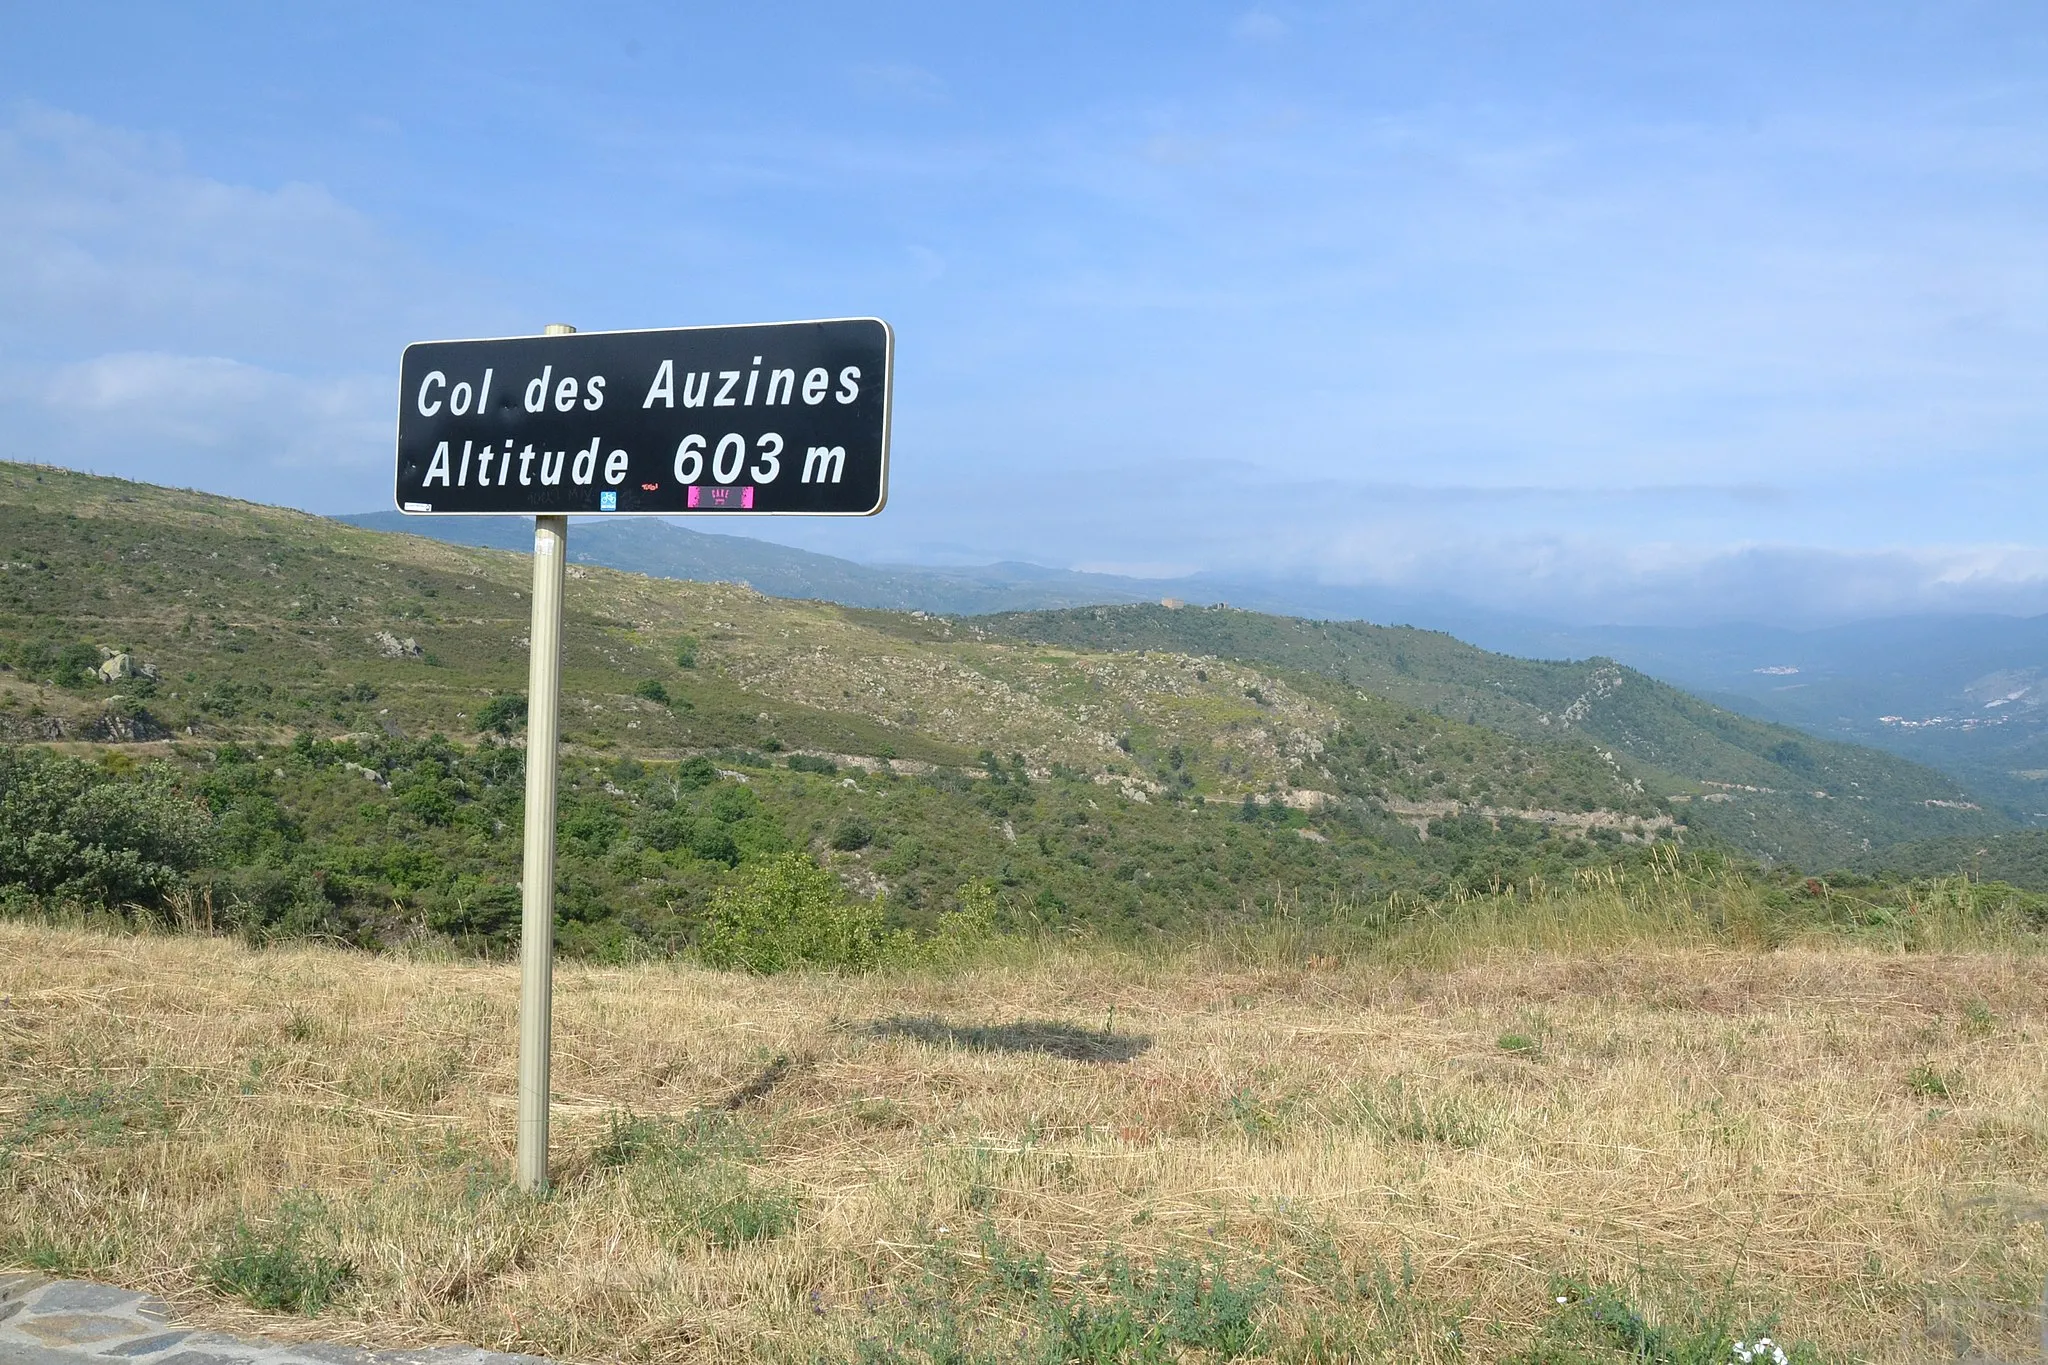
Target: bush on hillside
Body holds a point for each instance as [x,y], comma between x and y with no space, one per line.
[66,665]
[72,831]
[788,912]
[502,714]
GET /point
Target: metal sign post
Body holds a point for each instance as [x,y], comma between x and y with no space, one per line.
[775,419]
[537,869]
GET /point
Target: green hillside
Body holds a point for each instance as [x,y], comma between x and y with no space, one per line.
[1766,788]
[2019,858]
[343,706]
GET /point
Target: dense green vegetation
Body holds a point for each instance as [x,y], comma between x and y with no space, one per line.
[73,832]
[374,840]
[2019,859]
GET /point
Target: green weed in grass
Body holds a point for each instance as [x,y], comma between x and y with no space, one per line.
[1401,1110]
[726,1206]
[1002,1303]
[691,1179]
[1925,1081]
[273,1267]
[672,1144]
[1594,1323]
[100,1111]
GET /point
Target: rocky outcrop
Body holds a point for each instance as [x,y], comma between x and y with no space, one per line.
[118,665]
[33,728]
[123,722]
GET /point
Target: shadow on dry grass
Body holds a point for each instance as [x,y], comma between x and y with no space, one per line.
[1070,1041]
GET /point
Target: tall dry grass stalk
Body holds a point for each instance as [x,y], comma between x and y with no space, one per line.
[1592,1082]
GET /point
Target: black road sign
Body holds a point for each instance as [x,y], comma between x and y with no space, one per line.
[785,417]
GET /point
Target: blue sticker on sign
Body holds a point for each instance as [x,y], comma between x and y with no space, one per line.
[607,502]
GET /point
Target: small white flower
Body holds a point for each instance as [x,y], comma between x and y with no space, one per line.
[1562,1299]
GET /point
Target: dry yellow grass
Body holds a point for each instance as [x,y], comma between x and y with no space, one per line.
[1765,1128]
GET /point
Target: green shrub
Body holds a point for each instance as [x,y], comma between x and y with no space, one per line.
[502,714]
[591,824]
[475,908]
[652,690]
[807,763]
[686,652]
[71,831]
[853,833]
[713,843]
[966,933]
[664,829]
[732,804]
[265,903]
[787,912]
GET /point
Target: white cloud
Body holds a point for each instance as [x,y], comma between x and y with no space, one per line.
[139,405]
[110,239]
[169,326]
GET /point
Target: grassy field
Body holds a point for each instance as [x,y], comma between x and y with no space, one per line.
[1628,1122]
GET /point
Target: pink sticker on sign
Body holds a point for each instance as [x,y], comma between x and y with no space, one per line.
[738,499]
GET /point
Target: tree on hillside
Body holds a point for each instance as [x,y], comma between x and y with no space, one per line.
[72,831]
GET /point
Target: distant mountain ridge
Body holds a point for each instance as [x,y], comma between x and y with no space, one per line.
[1967,695]
[661,549]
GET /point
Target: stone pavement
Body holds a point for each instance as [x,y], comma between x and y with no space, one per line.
[72,1322]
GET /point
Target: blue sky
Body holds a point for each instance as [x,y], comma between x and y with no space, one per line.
[1604,311]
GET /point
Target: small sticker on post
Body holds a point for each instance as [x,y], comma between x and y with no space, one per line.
[740,499]
[419,507]
[607,502]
